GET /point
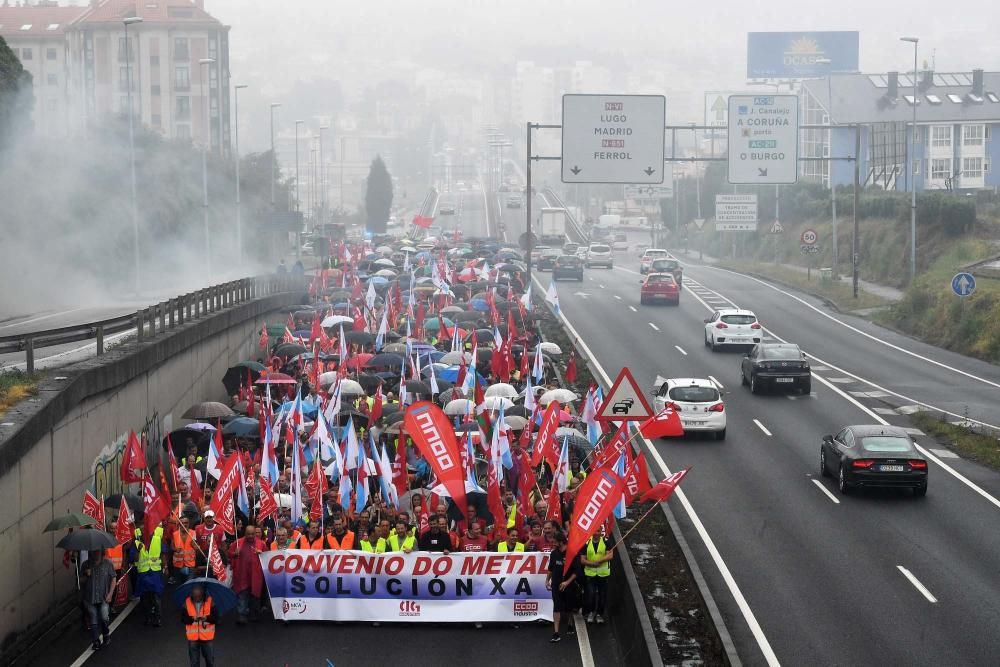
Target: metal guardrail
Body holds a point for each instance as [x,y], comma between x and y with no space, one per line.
[148,321]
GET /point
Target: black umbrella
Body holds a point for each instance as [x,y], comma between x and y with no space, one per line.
[369,382]
[519,410]
[394,417]
[134,503]
[87,539]
[468,316]
[418,387]
[385,360]
[360,337]
[290,350]
[391,408]
[360,418]
[482,335]
[236,376]
[179,438]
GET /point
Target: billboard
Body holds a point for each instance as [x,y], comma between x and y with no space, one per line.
[793,55]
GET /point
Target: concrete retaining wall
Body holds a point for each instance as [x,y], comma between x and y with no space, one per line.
[46,458]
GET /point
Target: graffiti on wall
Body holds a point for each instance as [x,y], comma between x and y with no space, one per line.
[105,471]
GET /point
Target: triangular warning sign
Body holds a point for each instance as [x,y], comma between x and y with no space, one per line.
[625,401]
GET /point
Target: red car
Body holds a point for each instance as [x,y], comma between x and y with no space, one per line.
[660,288]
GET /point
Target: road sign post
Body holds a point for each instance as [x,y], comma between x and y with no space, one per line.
[625,401]
[736,213]
[763,139]
[963,284]
[613,138]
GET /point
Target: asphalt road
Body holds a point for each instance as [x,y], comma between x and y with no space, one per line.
[820,573]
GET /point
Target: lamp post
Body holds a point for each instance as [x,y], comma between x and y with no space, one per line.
[913,183]
[322,177]
[833,190]
[239,219]
[204,63]
[131,145]
[298,230]
[274,105]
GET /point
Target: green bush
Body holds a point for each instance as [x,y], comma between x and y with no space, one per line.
[953,214]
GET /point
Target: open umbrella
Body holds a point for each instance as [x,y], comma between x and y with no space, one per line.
[337,320]
[501,389]
[434,323]
[207,410]
[180,437]
[385,360]
[494,403]
[351,388]
[87,539]
[236,376]
[134,503]
[561,395]
[550,348]
[458,407]
[223,597]
[71,520]
[242,427]
[289,350]
[360,337]
[515,422]
[276,378]
[452,358]
[517,411]
[418,387]
[201,427]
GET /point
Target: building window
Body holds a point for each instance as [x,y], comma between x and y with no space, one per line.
[213,49]
[183,111]
[181,49]
[941,136]
[987,132]
[125,51]
[183,132]
[918,135]
[50,54]
[916,167]
[941,168]
[972,167]
[182,77]
[972,135]
[26,53]
[52,79]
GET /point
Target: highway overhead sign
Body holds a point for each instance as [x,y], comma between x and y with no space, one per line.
[613,138]
[625,401]
[735,213]
[963,284]
[763,139]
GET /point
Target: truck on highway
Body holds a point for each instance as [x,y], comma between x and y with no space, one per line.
[552,227]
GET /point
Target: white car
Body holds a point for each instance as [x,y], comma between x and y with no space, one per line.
[697,401]
[620,242]
[732,326]
[599,254]
[648,256]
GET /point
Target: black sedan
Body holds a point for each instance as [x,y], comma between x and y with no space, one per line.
[873,456]
[547,262]
[568,266]
[776,365]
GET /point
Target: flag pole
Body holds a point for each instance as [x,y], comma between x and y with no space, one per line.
[635,525]
[208,558]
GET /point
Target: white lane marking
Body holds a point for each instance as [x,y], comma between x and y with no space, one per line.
[111,628]
[486,212]
[869,394]
[762,427]
[842,380]
[945,453]
[716,383]
[618,297]
[713,551]
[583,639]
[655,328]
[863,333]
[601,286]
[821,368]
[908,409]
[681,350]
[885,411]
[39,318]
[913,431]
[791,398]
[954,473]
[826,491]
[916,584]
[632,308]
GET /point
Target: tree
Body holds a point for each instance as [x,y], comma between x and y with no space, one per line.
[16,96]
[378,196]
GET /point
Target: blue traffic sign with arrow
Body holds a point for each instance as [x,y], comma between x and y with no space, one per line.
[963,284]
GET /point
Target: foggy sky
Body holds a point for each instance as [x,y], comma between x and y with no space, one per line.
[702,46]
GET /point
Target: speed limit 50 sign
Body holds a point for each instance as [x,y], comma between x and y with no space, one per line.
[809,237]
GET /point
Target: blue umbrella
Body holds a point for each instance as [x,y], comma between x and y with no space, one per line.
[378,280]
[302,333]
[480,304]
[223,597]
[308,409]
[451,375]
[242,427]
[424,255]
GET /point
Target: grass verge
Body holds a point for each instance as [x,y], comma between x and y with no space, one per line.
[978,447]
[839,293]
[15,386]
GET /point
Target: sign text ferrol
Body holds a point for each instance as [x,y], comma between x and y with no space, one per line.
[613,138]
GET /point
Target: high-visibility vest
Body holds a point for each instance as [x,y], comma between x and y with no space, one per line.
[604,569]
[116,555]
[183,550]
[502,547]
[149,559]
[198,460]
[199,631]
[408,542]
[317,544]
[379,547]
[275,547]
[346,544]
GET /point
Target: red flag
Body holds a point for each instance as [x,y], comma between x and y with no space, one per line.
[609,453]
[121,593]
[157,508]
[494,502]
[290,326]
[512,332]
[133,461]
[172,463]
[545,442]
[636,479]
[222,499]
[376,412]
[268,505]
[554,510]
[570,374]
[215,560]
[663,424]
[93,508]
[124,528]
[422,221]
[525,363]
[262,341]
[434,436]
[663,490]
[316,331]
[400,478]
[596,499]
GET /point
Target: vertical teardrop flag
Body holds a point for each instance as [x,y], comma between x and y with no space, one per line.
[596,499]
[434,436]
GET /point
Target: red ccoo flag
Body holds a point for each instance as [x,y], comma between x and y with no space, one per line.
[664,424]
[434,436]
[596,499]
[157,508]
[133,461]
[125,527]
[545,442]
[570,373]
[93,508]
[664,488]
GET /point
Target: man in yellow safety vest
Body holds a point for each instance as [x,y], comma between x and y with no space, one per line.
[596,570]
[149,569]
[510,544]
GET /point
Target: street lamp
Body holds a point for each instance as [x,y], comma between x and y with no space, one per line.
[205,63]
[913,183]
[131,145]
[833,190]
[322,177]
[274,105]
[239,220]
[298,241]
